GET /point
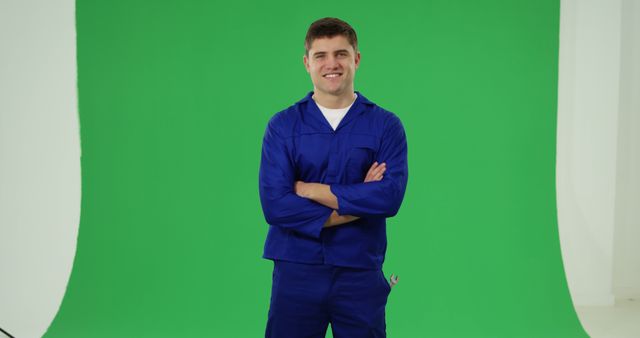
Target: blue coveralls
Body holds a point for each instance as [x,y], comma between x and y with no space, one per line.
[330,275]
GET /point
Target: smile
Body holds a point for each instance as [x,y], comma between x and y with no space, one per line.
[332,75]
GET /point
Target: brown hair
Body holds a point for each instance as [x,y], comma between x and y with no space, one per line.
[328,28]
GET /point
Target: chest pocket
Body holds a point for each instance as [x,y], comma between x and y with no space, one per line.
[361,154]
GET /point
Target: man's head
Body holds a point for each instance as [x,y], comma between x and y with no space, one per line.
[328,28]
[331,56]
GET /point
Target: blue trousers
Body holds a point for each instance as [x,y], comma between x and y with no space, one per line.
[305,298]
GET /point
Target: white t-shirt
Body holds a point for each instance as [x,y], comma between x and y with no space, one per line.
[334,116]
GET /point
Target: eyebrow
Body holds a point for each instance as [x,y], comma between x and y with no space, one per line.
[337,51]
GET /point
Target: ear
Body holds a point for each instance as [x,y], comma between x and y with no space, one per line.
[357,59]
[305,60]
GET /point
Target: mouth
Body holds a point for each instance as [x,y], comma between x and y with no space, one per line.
[332,75]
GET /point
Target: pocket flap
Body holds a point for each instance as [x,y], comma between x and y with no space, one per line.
[363,141]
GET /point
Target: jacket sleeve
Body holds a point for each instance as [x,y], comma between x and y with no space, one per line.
[280,204]
[380,198]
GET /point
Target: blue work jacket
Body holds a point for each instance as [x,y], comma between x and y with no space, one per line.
[300,144]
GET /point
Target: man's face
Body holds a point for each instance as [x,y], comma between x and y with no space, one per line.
[332,64]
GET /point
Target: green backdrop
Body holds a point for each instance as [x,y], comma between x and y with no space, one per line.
[174,97]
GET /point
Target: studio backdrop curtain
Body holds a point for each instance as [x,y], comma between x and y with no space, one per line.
[174,97]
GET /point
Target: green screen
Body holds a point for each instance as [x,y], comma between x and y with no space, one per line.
[174,97]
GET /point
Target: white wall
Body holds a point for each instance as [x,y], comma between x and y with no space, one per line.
[626,273]
[39,161]
[588,83]
[598,149]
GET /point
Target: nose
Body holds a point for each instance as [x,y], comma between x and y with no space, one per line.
[332,62]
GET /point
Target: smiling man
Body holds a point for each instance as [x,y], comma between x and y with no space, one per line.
[333,169]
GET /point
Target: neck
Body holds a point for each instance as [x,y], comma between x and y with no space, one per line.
[334,101]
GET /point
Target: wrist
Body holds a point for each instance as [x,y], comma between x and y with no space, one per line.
[303,189]
[313,190]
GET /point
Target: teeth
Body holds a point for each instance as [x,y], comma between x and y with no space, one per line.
[332,75]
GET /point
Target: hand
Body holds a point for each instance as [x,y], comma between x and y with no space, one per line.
[375,172]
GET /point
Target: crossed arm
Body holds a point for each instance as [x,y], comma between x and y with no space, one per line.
[308,207]
[321,193]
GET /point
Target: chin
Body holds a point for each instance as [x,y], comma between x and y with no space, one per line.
[334,92]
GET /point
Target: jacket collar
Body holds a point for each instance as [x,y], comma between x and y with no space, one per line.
[359,99]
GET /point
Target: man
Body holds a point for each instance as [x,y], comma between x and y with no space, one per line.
[333,168]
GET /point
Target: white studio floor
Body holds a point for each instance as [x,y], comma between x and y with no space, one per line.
[619,321]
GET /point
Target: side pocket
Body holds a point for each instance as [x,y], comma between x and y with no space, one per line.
[386,282]
[275,281]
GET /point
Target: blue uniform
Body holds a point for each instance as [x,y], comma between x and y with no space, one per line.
[300,144]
